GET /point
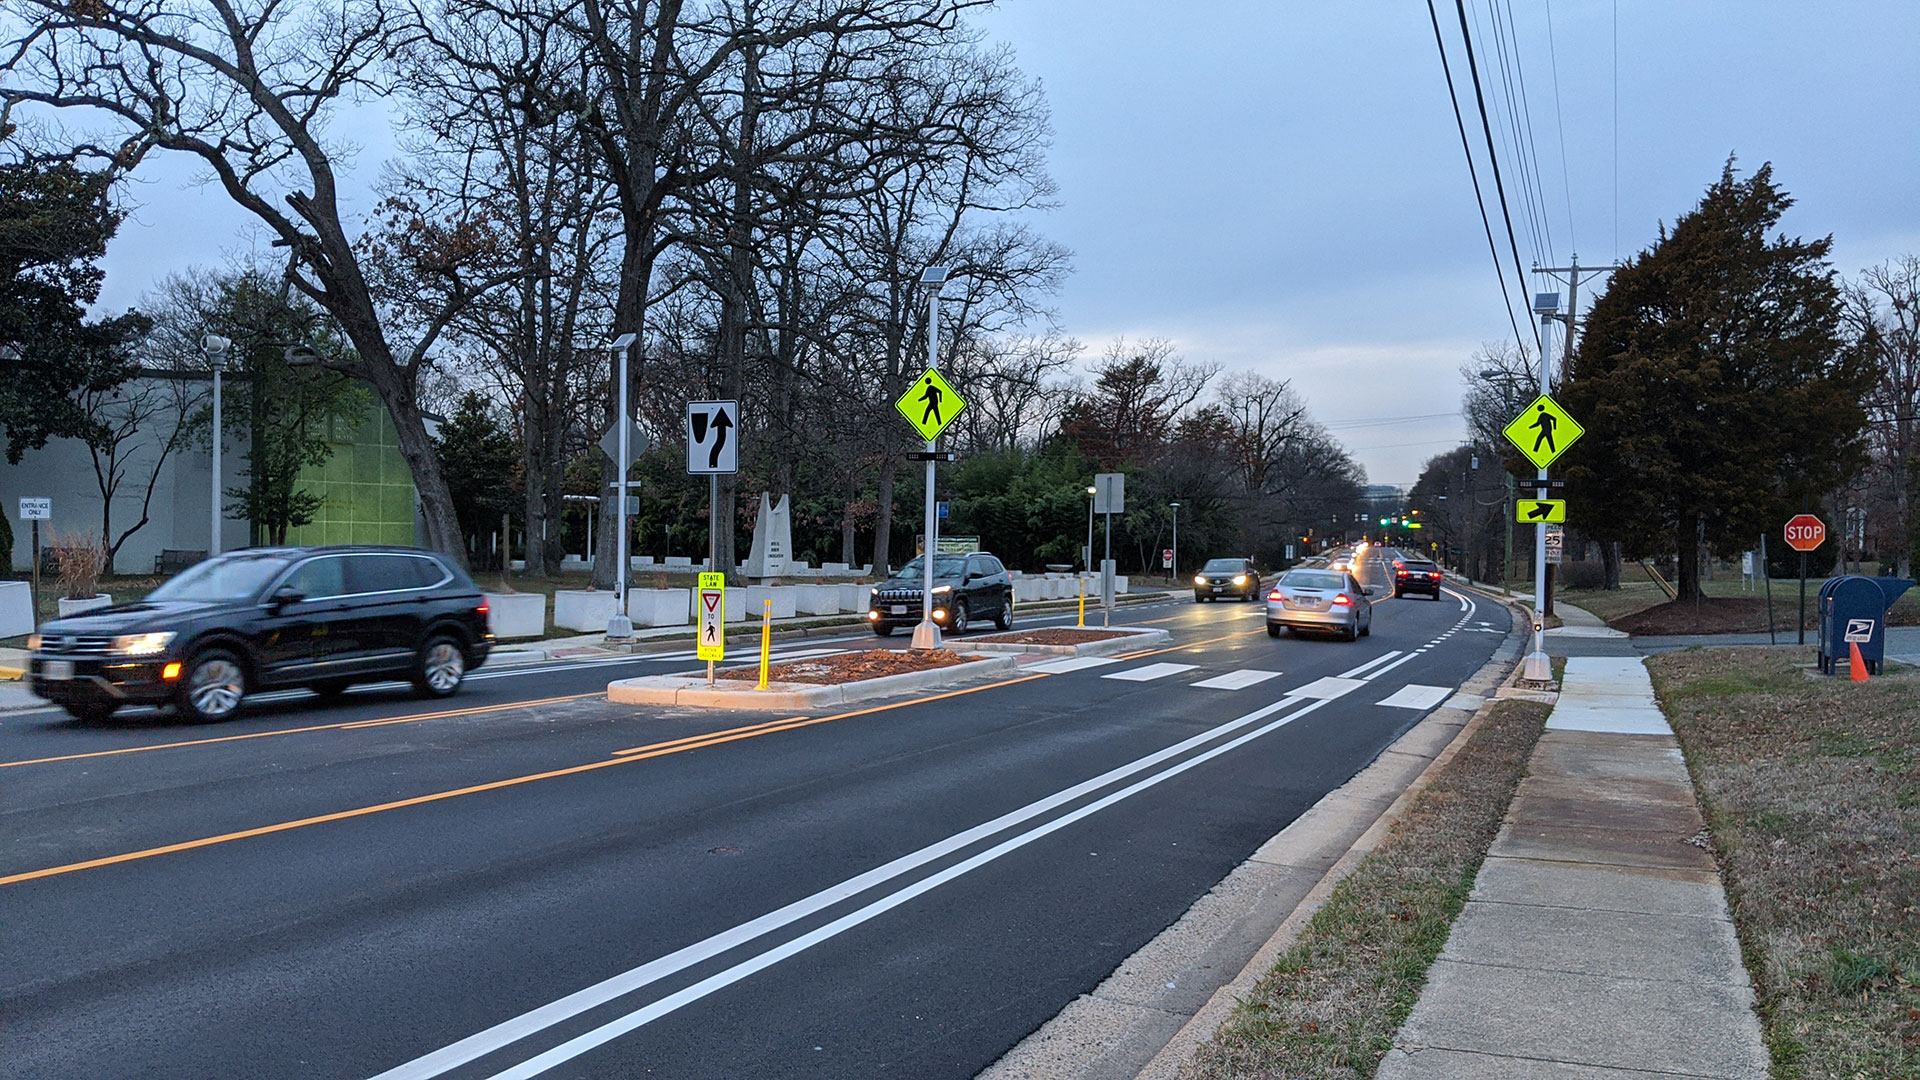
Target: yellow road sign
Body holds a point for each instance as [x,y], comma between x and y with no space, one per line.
[930,404]
[713,615]
[1537,511]
[1543,431]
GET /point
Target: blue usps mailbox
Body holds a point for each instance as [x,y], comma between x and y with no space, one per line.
[1853,611]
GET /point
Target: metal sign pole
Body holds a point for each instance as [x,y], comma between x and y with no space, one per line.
[713,550]
[36,573]
[927,634]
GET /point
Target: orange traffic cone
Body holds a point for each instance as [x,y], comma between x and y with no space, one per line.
[1856,667]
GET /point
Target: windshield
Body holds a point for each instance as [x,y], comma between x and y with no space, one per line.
[943,566]
[1301,579]
[231,577]
[1224,566]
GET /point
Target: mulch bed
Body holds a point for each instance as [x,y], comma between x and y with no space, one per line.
[1811,789]
[1720,615]
[850,667]
[1054,635]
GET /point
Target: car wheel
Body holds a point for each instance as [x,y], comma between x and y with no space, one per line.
[957,622]
[1272,630]
[329,688]
[91,712]
[882,630]
[213,688]
[1367,630]
[439,668]
[1004,620]
[1351,633]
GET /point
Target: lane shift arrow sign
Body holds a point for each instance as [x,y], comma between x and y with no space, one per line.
[720,425]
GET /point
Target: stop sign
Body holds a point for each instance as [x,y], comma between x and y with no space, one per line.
[1166,556]
[1806,532]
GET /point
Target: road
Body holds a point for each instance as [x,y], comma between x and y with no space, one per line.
[528,880]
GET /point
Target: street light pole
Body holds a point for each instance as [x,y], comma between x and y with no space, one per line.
[1091,490]
[216,347]
[926,636]
[620,625]
[1173,573]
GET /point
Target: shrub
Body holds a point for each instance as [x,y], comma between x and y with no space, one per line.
[78,560]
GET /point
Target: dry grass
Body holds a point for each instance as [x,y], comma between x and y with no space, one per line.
[1054,635]
[1728,609]
[1331,1005]
[852,667]
[1811,787]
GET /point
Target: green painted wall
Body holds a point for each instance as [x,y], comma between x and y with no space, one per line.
[367,486]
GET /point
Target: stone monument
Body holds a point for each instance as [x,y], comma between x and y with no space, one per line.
[772,554]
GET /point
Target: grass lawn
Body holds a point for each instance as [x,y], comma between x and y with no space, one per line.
[1746,611]
[1811,788]
[1332,1003]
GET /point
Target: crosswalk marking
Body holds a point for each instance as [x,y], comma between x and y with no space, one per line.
[1071,663]
[1417,696]
[1237,680]
[1329,688]
[1150,672]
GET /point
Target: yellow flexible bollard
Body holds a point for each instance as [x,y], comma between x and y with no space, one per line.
[766,641]
[1083,601]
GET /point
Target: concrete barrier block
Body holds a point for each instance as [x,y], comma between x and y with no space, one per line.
[817,599]
[782,596]
[516,615]
[581,609]
[16,608]
[854,597]
[75,607]
[659,607]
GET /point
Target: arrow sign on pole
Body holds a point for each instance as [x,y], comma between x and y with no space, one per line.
[711,445]
[1530,511]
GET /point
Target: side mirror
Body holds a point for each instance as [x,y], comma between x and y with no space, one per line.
[284,595]
[970,579]
[1366,590]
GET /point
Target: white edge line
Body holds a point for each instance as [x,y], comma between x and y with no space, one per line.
[510,1031]
[613,1029]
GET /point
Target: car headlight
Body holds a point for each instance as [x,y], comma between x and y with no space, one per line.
[1239,579]
[33,642]
[1199,579]
[938,589]
[143,644]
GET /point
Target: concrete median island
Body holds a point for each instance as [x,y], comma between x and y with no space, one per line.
[813,682]
[1066,641]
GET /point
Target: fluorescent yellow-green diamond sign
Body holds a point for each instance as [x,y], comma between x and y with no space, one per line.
[1543,431]
[930,404]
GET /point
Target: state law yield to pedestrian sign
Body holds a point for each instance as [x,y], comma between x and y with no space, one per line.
[713,613]
[930,404]
[1536,511]
[1543,431]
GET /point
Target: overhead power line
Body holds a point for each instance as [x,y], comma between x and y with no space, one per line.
[1479,199]
[1493,156]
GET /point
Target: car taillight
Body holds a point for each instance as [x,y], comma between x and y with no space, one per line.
[1343,600]
[482,609]
[1274,595]
[1434,574]
[1402,573]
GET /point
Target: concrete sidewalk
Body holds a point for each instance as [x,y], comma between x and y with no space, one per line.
[1596,943]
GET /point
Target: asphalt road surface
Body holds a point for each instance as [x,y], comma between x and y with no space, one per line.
[529,881]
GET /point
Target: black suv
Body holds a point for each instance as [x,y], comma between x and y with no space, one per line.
[260,618]
[965,588]
[1416,575]
[1237,578]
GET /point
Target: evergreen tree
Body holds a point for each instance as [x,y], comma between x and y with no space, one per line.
[480,460]
[1714,385]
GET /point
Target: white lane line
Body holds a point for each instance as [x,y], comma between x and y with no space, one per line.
[1395,664]
[1416,696]
[613,1029]
[513,1030]
[1381,659]
[1237,680]
[1327,689]
[1071,663]
[1150,672]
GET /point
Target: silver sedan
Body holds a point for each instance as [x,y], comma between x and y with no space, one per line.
[1320,600]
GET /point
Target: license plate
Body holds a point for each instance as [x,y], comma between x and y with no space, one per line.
[899,609]
[57,670]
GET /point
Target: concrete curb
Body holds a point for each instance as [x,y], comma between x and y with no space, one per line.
[1166,1000]
[1130,640]
[681,690]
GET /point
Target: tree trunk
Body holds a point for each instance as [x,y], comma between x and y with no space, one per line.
[1687,572]
[846,534]
[1610,564]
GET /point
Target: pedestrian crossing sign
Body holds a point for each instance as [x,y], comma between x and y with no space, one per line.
[712,643]
[1543,431]
[930,404]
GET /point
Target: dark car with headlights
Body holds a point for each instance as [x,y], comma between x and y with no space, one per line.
[965,588]
[1413,575]
[1237,578]
[267,618]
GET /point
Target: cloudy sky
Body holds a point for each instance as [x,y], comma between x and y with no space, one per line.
[1280,185]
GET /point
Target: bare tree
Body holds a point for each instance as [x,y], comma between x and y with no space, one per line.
[247,87]
[1881,312]
[137,426]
